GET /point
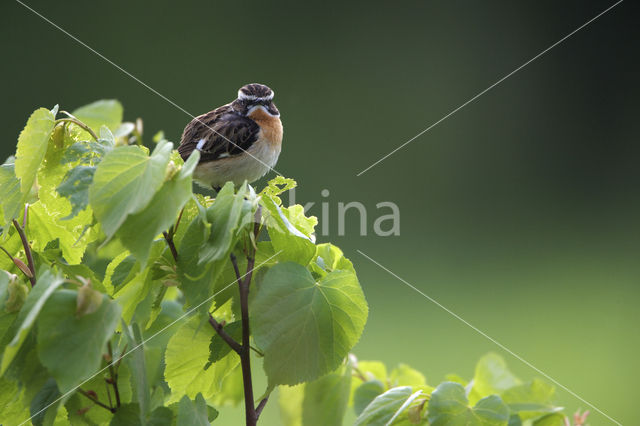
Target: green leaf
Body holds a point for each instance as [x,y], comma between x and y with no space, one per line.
[193,413]
[306,328]
[43,228]
[47,284]
[290,400]
[218,348]
[43,407]
[161,416]
[11,199]
[60,329]
[15,409]
[551,420]
[32,147]
[106,112]
[76,188]
[224,215]
[325,400]
[125,182]
[365,393]
[293,243]
[136,362]
[449,406]
[403,375]
[385,407]
[530,400]
[491,377]
[139,229]
[185,354]
[126,415]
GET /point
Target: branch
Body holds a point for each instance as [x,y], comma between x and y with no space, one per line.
[261,405]
[113,373]
[220,330]
[171,244]
[95,401]
[27,250]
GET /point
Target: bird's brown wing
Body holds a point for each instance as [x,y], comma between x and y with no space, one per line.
[225,133]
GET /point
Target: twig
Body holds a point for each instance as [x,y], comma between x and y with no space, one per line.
[95,401]
[106,387]
[27,250]
[79,124]
[260,406]
[220,330]
[113,373]
[169,238]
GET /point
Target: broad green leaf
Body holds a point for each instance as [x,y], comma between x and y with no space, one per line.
[224,215]
[15,409]
[530,400]
[126,415]
[47,283]
[106,112]
[139,229]
[125,182]
[60,329]
[492,376]
[365,393]
[44,406]
[290,400]
[32,147]
[306,328]
[193,413]
[185,357]
[8,312]
[325,400]
[384,407]
[293,244]
[11,198]
[449,406]
[43,227]
[218,348]
[403,375]
[551,420]
[136,362]
[75,187]
[161,416]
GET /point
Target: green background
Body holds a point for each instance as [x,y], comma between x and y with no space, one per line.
[520,212]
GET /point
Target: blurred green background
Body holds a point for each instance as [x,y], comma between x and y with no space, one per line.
[520,213]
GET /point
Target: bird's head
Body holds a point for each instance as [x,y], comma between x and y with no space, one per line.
[253,97]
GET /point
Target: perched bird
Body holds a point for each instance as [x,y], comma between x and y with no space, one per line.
[238,141]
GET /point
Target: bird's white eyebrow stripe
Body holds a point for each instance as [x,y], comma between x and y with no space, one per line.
[244,96]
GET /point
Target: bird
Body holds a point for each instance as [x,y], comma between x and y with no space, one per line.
[239,141]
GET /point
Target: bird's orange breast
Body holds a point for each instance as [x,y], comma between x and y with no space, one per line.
[270,126]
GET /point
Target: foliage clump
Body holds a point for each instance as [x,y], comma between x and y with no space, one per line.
[126,298]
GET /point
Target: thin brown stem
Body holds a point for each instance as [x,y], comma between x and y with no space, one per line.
[113,373]
[79,124]
[95,401]
[27,250]
[106,387]
[169,238]
[261,405]
[219,328]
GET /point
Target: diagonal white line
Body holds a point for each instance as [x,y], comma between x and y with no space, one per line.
[153,336]
[489,88]
[141,82]
[494,341]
